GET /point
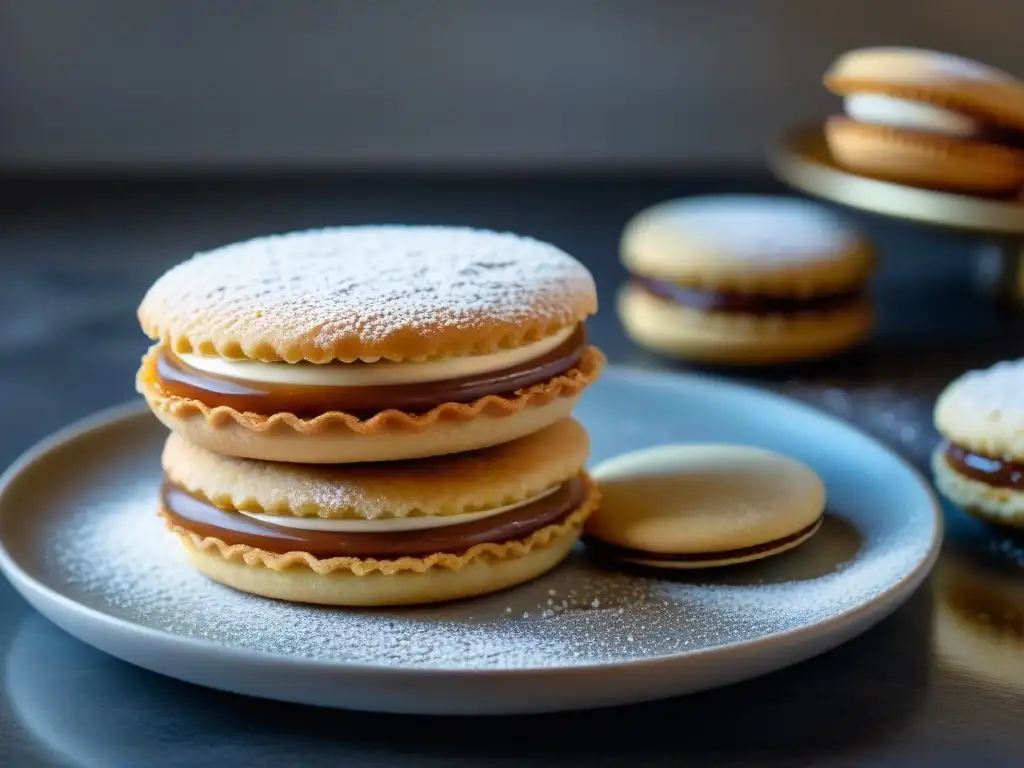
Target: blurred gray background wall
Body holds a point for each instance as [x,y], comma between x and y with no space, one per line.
[107,84]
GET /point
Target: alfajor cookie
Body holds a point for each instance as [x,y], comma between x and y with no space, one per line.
[381,534]
[980,464]
[701,506]
[928,119]
[735,279]
[360,344]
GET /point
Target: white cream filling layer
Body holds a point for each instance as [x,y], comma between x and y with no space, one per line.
[390,524]
[374,373]
[900,113]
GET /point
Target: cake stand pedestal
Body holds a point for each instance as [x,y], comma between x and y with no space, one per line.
[802,159]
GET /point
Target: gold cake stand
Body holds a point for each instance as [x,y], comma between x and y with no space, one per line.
[802,159]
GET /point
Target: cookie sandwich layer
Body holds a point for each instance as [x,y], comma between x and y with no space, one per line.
[740,279]
[980,463]
[381,534]
[368,343]
[928,118]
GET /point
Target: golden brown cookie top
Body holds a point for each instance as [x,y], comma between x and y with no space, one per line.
[983,411]
[703,499]
[760,244]
[391,292]
[932,77]
[442,485]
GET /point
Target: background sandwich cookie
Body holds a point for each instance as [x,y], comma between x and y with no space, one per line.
[368,343]
[980,464]
[701,506]
[381,534]
[745,280]
[929,119]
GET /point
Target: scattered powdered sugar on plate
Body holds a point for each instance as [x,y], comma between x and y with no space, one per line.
[114,555]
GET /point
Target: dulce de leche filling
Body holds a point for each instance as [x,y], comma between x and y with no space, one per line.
[199,516]
[176,378]
[730,302]
[985,469]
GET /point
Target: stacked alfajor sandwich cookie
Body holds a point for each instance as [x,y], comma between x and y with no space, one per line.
[373,415]
[928,119]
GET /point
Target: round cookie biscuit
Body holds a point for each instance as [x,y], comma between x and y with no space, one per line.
[340,587]
[748,243]
[941,79]
[701,506]
[983,410]
[361,344]
[439,529]
[740,279]
[925,159]
[368,292]
[980,465]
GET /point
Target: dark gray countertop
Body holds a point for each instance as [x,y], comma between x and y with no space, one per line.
[77,257]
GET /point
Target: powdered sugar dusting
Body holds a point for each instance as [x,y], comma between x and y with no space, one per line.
[95,538]
[757,230]
[114,555]
[352,291]
[997,391]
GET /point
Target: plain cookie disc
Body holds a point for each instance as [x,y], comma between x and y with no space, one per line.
[700,506]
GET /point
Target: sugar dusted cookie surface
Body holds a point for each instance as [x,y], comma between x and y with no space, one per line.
[745,280]
[366,344]
[743,241]
[392,292]
[694,506]
[984,410]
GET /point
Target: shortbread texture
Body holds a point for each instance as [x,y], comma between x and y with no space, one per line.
[373,292]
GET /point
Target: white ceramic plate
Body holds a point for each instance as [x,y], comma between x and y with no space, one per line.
[80,540]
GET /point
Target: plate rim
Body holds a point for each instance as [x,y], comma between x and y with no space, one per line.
[28,587]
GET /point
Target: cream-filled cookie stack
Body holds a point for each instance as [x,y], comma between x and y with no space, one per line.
[928,119]
[980,464]
[373,415]
[745,280]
